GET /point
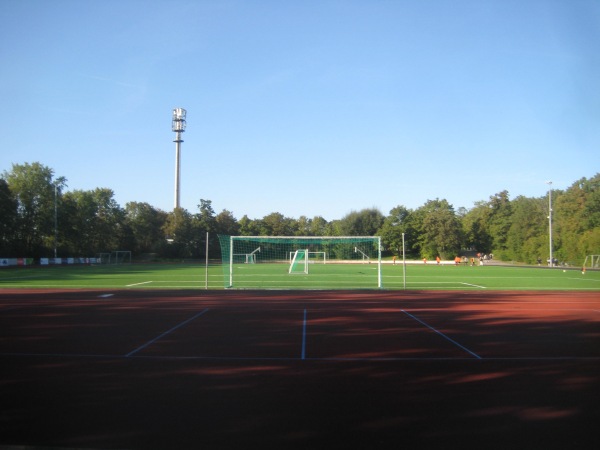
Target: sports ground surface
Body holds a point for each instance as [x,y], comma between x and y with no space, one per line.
[141,358]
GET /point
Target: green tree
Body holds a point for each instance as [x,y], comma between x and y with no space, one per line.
[524,240]
[34,188]
[249,227]
[398,221]
[8,223]
[227,224]
[475,225]
[276,224]
[94,222]
[205,219]
[180,234]
[576,213]
[440,231]
[499,221]
[318,226]
[146,223]
[365,222]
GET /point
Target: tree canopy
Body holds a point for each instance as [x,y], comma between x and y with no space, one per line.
[39,217]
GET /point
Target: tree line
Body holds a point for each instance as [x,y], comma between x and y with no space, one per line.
[41,218]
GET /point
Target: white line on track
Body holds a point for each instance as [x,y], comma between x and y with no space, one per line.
[442,334]
[165,333]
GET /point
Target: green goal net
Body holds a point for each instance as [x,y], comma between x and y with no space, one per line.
[301,262]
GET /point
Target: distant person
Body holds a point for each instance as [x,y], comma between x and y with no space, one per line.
[438,260]
[457,260]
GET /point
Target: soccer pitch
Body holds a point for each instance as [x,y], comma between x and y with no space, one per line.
[320,276]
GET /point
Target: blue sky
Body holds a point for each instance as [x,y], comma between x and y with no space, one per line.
[314,108]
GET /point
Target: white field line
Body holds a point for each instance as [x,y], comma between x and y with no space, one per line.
[474,285]
[138,284]
[581,279]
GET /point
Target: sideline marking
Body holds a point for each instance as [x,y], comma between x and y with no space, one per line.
[137,284]
[304,336]
[442,334]
[165,333]
[106,295]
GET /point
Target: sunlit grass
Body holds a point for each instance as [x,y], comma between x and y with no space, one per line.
[276,276]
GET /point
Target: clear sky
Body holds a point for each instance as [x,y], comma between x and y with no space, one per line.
[314,108]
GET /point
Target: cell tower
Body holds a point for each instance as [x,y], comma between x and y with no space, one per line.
[178,126]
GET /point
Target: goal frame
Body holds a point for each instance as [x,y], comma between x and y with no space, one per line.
[594,262]
[374,239]
[120,257]
[303,263]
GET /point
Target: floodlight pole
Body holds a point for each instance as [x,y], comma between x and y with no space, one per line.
[178,126]
[550,221]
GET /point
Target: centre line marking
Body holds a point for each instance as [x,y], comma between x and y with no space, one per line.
[442,334]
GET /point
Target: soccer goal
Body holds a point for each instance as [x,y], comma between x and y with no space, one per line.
[592,262]
[102,258]
[329,262]
[299,262]
[120,257]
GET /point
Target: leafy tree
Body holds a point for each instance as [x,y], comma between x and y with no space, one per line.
[499,221]
[398,221]
[475,225]
[524,240]
[249,227]
[205,219]
[180,234]
[226,223]
[34,189]
[576,212]
[318,226]
[95,222]
[146,223]
[8,213]
[365,222]
[440,231]
[276,224]
[303,225]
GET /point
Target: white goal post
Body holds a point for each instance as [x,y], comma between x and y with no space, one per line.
[592,262]
[299,262]
[313,257]
[120,257]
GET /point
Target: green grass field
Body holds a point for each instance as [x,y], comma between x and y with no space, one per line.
[275,276]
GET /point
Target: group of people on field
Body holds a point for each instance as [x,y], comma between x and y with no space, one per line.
[482,258]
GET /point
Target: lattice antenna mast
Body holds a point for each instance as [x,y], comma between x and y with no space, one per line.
[178,126]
